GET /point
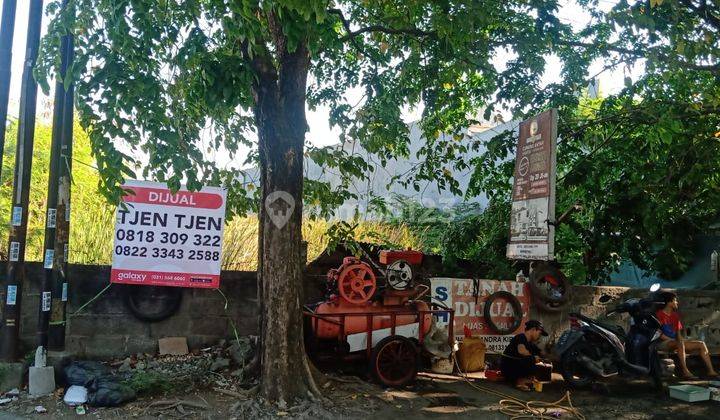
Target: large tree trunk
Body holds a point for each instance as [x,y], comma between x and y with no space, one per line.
[280,118]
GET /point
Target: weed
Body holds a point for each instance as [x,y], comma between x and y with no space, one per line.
[151,383]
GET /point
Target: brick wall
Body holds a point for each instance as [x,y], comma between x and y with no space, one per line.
[106,328]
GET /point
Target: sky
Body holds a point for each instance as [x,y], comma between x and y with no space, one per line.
[320,133]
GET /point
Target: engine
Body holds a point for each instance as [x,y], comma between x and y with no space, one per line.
[356,296]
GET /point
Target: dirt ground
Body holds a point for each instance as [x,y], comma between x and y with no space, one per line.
[432,397]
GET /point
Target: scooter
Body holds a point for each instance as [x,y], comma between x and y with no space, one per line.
[593,349]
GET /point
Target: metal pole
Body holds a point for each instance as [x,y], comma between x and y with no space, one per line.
[21,190]
[46,302]
[62,231]
[7,29]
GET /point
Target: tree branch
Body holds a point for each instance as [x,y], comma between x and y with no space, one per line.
[346,25]
[712,68]
[377,28]
[703,12]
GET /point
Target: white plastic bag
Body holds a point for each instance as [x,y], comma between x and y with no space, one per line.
[76,395]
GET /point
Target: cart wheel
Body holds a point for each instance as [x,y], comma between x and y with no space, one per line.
[394,361]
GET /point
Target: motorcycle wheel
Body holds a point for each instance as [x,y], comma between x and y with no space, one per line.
[573,372]
[660,374]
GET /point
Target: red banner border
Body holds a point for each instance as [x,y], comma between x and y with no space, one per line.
[182,279]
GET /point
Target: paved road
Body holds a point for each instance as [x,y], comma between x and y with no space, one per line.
[436,397]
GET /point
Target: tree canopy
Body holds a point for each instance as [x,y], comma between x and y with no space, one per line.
[168,76]
[185,80]
[641,164]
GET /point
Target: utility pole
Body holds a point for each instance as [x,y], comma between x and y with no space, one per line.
[21,190]
[62,231]
[46,302]
[7,29]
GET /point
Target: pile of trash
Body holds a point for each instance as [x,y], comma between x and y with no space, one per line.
[86,383]
[184,383]
[93,383]
[10,396]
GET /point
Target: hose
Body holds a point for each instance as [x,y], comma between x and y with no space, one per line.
[539,409]
[517,408]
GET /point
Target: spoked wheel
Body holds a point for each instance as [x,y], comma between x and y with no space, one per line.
[399,275]
[356,283]
[394,361]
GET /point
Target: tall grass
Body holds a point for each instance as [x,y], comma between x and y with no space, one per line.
[92,237]
[92,218]
[240,244]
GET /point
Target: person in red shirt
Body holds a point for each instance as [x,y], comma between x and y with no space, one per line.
[672,337]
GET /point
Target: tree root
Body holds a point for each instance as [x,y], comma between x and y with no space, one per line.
[314,392]
[170,404]
[346,379]
[245,394]
[252,369]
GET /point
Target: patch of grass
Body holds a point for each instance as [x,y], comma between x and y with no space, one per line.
[151,383]
[29,358]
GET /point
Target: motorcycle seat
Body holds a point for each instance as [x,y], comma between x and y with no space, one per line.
[617,329]
[614,328]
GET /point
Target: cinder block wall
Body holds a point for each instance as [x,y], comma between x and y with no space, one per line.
[106,328]
[700,310]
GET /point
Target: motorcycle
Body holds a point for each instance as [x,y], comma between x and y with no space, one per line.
[593,349]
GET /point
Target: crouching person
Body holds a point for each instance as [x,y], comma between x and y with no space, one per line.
[521,359]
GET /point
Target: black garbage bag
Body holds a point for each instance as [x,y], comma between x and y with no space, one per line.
[109,391]
[82,372]
[104,389]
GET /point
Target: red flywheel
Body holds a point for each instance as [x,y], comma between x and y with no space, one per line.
[356,282]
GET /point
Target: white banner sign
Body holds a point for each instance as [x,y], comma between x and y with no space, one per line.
[532,233]
[467,297]
[165,239]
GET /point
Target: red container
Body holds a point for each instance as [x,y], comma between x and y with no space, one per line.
[493,375]
[355,317]
[412,257]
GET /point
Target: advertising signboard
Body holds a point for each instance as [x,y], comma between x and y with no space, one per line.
[532,237]
[166,239]
[467,297]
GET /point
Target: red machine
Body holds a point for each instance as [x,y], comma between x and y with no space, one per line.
[387,323]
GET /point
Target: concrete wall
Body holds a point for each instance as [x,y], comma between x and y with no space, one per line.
[106,328]
[700,311]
